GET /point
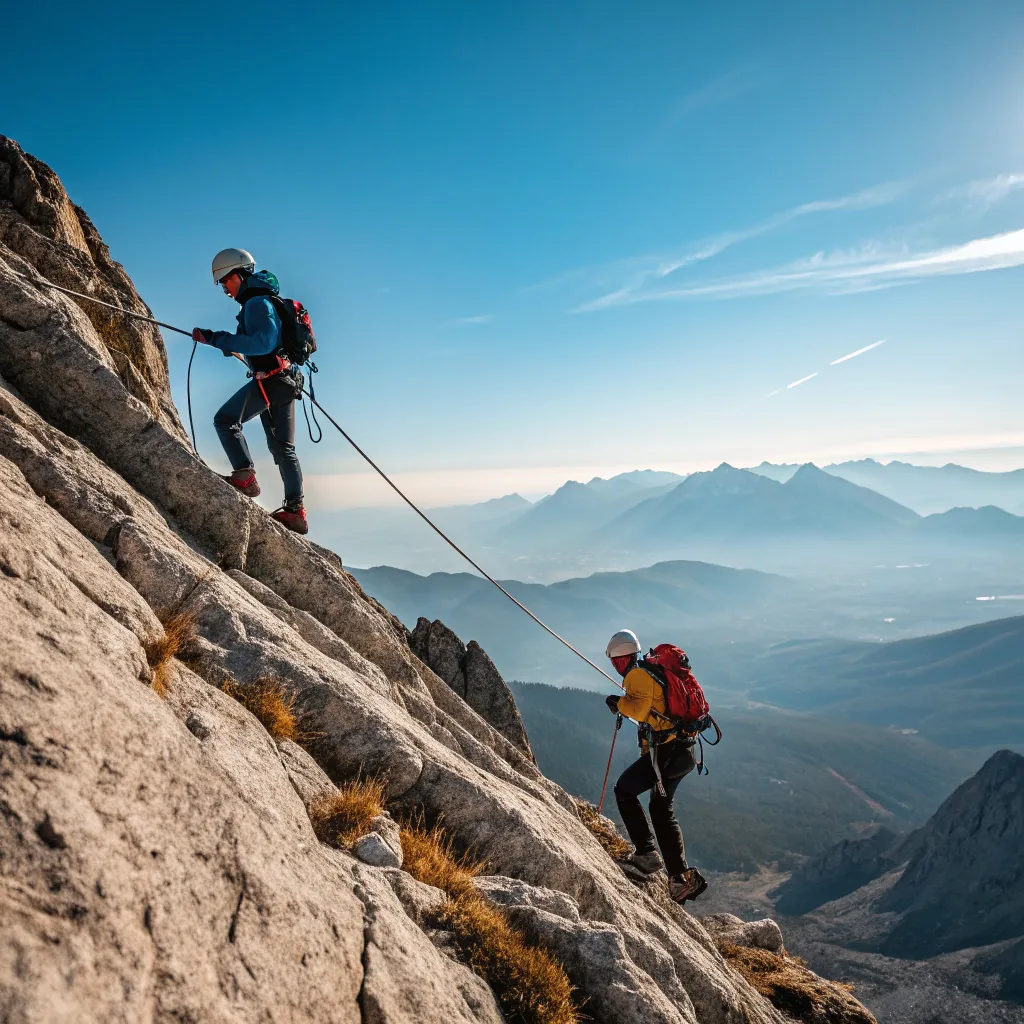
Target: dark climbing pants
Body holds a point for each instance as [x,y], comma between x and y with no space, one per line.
[676,761]
[278,423]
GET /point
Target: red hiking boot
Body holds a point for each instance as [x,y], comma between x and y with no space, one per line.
[245,481]
[293,518]
[688,886]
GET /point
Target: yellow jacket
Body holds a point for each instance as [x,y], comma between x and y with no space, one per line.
[643,696]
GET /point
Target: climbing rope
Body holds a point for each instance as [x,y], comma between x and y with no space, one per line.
[337,426]
[455,547]
[39,280]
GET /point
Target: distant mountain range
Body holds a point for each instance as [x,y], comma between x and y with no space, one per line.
[812,520]
[684,600]
[959,688]
[735,516]
[728,619]
[925,489]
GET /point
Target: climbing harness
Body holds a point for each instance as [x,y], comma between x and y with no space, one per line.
[692,736]
[647,736]
[261,375]
[604,786]
[41,281]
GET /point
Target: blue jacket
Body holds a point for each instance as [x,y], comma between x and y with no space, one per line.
[259,326]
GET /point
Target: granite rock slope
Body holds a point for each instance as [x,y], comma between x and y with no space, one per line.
[157,861]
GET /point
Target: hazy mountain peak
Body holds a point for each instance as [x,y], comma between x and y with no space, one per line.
[976,834]
[809,471]
[780,472]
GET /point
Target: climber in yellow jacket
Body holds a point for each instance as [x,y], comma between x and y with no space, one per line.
[660,770]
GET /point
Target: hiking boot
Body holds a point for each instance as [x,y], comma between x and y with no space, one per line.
[245,481]
[687,886]
[648,863]
[293,518]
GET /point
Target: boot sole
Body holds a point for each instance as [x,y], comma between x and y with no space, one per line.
[301,531]
[685,899]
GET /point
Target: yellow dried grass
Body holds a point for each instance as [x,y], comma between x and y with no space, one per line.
[340,818]
[179,629]
[269,701]
[530,985]
[798,992]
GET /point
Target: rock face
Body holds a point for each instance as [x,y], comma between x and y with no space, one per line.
[472,675]
[942,923]
[157,861]
[971,848]
[57,240]
[837,871]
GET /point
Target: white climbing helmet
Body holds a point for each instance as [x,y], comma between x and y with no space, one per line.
[622,643]
[228,260]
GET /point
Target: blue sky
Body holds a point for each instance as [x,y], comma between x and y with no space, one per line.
[542,241]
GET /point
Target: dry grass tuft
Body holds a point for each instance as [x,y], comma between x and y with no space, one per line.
[603,829]
[271,702]
[793,989]
[342,817]
[531,986]
[429,856]
[178,631]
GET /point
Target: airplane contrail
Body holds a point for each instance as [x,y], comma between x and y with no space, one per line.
[802,380]
[859,352]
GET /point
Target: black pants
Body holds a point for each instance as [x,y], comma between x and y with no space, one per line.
[278,424]
[676,761]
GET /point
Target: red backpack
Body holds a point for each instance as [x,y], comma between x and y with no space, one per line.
[684,698]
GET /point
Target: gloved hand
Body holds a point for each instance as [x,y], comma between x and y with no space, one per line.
[202,336]
[612,703]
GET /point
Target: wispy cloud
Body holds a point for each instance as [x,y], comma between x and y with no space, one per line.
[858,271]
[987,191]
[859,352]
[467,321]
[802,380]
[644,284]
[723,88]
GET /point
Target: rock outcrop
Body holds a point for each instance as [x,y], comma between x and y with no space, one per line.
[971,848]
[56,239]
[837,871]
[472,675]
[157,860]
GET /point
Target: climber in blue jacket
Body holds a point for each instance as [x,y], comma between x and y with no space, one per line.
[271,393]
